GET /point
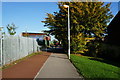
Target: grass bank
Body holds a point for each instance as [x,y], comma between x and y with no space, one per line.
[93,69]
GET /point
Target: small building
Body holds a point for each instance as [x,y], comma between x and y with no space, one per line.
[41,38]
[34,35]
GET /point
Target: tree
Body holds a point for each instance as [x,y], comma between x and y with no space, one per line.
[1,32]
[11,29]
[88,18]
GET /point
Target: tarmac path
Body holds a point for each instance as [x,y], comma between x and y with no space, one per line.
[58,66]
[25,69]
[46,66]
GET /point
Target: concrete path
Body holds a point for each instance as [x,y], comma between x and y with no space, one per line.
[58,66]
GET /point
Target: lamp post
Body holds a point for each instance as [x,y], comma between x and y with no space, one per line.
[67,6]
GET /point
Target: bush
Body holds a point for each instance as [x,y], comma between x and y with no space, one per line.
[93,48]
[109,51]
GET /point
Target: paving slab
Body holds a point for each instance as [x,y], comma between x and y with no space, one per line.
[58,66]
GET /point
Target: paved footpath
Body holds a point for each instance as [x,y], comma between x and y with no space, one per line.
[57,66]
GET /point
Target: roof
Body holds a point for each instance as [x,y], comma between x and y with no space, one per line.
[113,31]
[114,23]
[29,33]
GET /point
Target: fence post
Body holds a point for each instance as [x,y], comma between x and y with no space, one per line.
[33,45]
[1,52]
[19,47]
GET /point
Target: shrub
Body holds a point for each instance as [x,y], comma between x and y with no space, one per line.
[109,51]
[93,48]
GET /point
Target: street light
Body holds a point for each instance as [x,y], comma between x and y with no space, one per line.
[67,6]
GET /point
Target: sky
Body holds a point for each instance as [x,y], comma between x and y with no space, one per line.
[54,0]
[28,15]
[0,13]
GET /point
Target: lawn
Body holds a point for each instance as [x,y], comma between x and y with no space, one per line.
[90,68]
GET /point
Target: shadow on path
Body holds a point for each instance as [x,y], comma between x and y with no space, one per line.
[57,50]
[54,50]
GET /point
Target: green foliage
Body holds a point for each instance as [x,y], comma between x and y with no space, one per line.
[88,18]
[108,51]
[11,29]
[100,49]
[79,43]
[40,42]
[92,69]
[1,28]
[94,48]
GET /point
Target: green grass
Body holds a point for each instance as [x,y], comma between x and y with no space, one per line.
[19,60]
[94,69]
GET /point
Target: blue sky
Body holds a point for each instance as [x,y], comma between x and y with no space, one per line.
[28,15]
[54,0]
[0,13]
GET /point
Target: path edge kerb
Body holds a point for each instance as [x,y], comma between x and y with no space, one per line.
[76,68]
[42,67]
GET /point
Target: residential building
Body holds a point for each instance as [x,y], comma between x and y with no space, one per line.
[114,31]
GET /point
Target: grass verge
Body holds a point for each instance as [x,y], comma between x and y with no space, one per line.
[93,69]
[17,61]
